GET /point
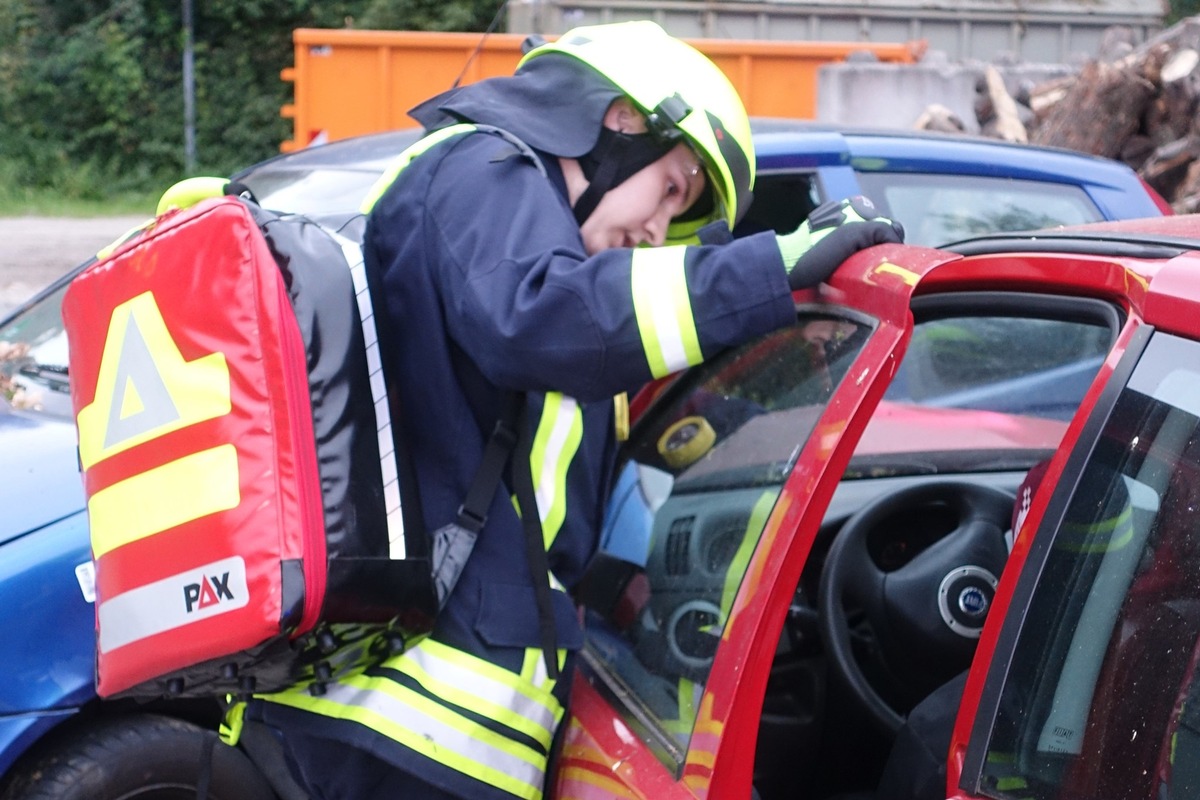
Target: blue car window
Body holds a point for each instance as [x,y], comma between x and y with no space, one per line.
[940,208]
[33,360]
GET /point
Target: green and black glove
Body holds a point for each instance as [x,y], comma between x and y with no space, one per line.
[833,232]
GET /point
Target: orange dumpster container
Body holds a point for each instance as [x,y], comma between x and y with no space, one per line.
[350,82]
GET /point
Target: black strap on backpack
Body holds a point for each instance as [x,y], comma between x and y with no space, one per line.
[453,543]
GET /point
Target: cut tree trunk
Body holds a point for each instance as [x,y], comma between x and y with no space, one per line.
[1103,107]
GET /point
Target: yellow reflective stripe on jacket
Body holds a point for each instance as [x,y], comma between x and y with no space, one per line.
[232,723]
[481,686]
[664,310]
[428,728]
[405,158]
[555,443]
[533,667]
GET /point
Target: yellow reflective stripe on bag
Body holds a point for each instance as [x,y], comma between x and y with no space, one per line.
[664,309]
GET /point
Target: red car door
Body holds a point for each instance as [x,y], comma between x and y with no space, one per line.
[724,483]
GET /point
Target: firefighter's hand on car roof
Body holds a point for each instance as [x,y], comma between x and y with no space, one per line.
[833,232]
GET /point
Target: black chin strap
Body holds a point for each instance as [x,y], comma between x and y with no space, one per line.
[615,158]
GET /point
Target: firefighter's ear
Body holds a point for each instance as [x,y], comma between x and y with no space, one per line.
[623,116]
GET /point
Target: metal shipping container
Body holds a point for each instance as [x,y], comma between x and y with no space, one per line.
[1039,31]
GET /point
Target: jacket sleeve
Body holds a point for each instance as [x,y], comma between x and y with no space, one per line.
[534,312]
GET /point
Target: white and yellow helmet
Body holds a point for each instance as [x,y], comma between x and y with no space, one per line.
[683,94]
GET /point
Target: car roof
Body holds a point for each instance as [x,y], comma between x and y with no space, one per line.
[370,151]
[901,150]
[822,142]
[1149,237]
[846,161]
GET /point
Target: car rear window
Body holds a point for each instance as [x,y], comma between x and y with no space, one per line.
[940,208]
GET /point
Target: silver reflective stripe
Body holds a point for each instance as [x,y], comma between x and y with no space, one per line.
[383,417]
[172,602]
[402,715]
[461,684]
[137,373]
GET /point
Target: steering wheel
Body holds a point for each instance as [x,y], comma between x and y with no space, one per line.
[926,614]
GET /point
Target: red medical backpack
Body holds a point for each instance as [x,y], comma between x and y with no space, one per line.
[238,454]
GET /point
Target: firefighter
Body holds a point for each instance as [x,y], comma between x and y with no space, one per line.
[521,253]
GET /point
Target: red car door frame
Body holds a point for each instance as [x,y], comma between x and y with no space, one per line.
[601,753]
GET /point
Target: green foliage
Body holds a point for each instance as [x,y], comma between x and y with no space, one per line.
[91,91]
[79,191]
[1181,9]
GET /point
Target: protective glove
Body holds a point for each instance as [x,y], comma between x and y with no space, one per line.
[833,232]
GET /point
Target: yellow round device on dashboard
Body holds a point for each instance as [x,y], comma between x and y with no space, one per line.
[685,441]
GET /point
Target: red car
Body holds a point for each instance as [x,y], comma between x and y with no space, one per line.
[972,467]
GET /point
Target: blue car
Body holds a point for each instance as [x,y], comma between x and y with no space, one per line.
[58,740]
[942,187]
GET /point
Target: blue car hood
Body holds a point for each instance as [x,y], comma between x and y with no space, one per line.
[39,471]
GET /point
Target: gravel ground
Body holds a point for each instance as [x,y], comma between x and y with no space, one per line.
[36,250]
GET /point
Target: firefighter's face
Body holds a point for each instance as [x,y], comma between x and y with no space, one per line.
[638,210]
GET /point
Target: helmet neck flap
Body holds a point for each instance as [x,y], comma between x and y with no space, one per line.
[683,94]
[556,105]
[553,104]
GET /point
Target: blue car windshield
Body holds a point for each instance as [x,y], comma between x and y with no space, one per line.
[33,360]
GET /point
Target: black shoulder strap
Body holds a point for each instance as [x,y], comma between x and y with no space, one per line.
[452,543]
[472,514]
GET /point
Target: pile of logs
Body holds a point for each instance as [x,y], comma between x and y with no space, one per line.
[1135,104]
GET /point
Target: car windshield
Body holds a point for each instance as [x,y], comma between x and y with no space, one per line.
[326,180]
[33,359]
[318,192]
[320,181]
